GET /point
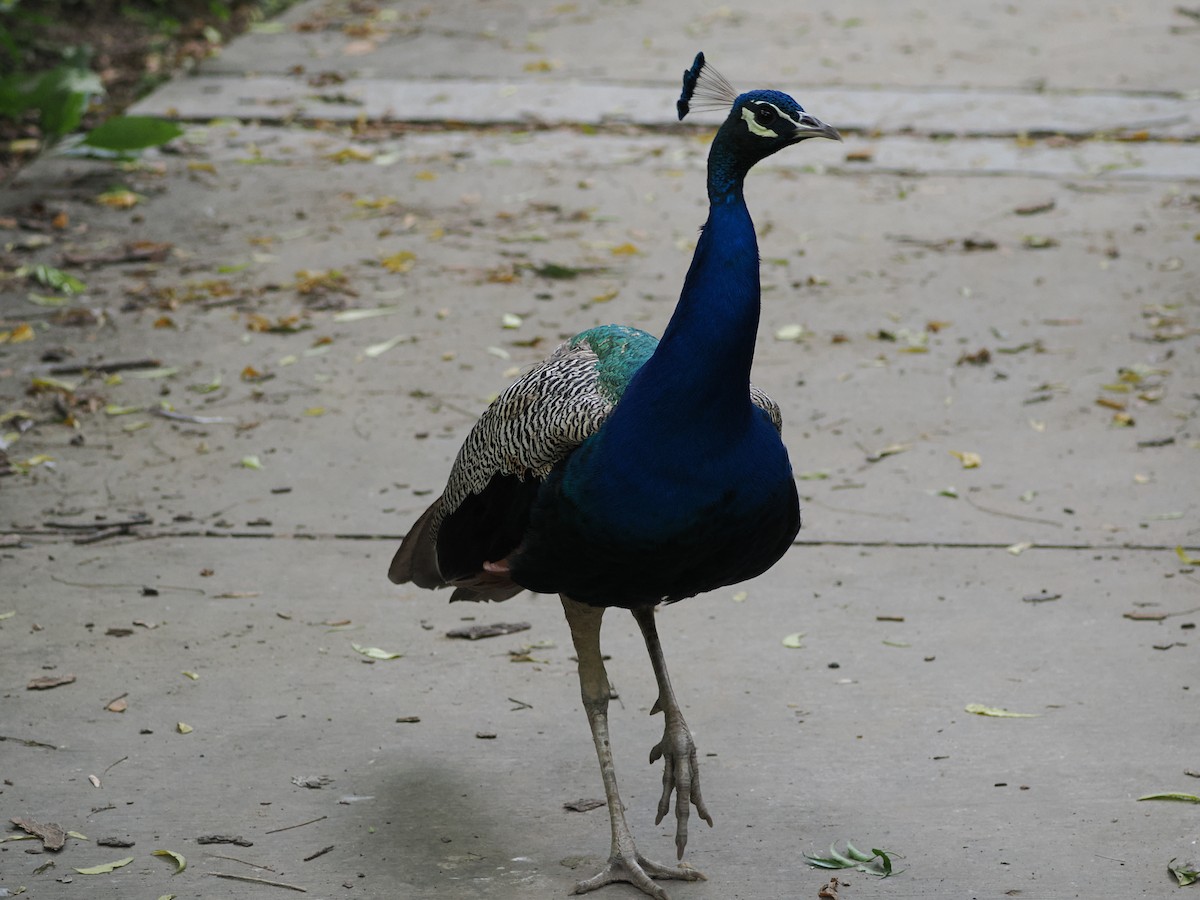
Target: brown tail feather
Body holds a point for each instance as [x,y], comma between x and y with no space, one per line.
[416,560]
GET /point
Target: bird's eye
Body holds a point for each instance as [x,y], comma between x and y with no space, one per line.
[765,115]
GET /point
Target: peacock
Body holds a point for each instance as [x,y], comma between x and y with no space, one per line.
[625,471]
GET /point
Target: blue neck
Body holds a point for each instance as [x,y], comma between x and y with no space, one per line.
[702,365]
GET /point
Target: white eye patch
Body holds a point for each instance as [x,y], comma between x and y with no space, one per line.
[761,130]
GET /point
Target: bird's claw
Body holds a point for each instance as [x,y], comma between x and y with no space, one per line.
[681,776]
[635,869]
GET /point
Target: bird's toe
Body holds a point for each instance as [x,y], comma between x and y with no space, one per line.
[635,869]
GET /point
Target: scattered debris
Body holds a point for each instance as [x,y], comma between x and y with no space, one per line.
[53,836]
[584,804]
[238,841]
[119,843]
[320,852]
[311,781]
[475,632]
[1042,597]
[46,682]
[829,891]
[1034,209]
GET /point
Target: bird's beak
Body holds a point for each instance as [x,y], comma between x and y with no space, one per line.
[812,127]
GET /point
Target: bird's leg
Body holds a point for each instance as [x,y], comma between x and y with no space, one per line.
[681,771]
[624,861]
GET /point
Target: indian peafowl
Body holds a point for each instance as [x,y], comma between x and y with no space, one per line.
[624,471]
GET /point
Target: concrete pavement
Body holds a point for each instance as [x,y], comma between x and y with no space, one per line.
[999,261]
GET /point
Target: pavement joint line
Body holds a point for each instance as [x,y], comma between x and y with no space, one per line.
[528,103]
[396,538]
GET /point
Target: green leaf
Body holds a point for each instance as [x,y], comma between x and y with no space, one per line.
[996,712]
[1185,873]
[180,862]
[62,96]
[375,652]
[106,868]
[877,862]
[53,278]
[1172,795]
[128,133]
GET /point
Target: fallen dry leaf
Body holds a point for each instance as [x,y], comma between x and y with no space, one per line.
[45,682]
[52,836]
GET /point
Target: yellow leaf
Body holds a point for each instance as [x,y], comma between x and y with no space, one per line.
[1018,549]
[113,409]
[45,382]
[606,296]
[425,175]
[180,862]
[251,462]
[350,154]
[119,198]
[106,868]
[626,249]
[375,202]
[198,166]
[399,262]
[1186,558]
[315,411]
[375,652]
[18,335]
[794,641]
[184,728]
[192,675]
[968,459]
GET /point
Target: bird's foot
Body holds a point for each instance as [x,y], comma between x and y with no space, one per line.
[681,776]
[635,869]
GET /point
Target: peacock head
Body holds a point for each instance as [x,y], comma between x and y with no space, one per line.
[760,122]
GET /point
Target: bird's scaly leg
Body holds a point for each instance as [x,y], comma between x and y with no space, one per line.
[624,861]
[681,771]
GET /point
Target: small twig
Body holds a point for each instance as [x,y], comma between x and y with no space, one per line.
[27,742]
[320,852]
[78,368]
[157,587]
[521,704]
[93,526]
[290,827]
[242,861]
[252,880]
[118,531]
[123,758]
[1008,515]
